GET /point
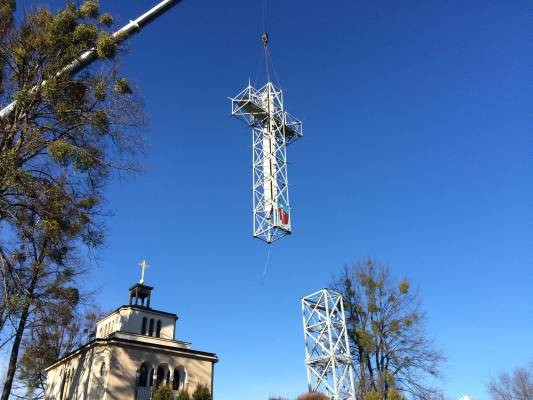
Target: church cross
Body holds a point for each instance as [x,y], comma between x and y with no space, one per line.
[143,264]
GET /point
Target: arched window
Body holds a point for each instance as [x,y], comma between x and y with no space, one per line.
[151,329]
[102,369]
[143,328]
[160,376]
[176,380]
[143,375]
[158,329]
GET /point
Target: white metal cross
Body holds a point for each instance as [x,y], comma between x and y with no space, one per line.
[143,264]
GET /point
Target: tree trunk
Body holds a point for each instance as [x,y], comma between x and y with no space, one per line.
[13,358]
[15,353]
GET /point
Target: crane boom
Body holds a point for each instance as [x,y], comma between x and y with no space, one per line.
[89,56]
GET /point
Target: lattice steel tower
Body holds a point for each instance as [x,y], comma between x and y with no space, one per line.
[327,351]
[272,129]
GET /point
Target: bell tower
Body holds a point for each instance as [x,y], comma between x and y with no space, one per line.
[140,293]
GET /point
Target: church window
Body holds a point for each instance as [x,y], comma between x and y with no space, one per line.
[158,329]
[176,380]
[143,328]
[143,376]
[102,369]
[151,329]
[160,376]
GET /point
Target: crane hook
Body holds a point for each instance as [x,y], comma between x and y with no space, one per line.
[264,38]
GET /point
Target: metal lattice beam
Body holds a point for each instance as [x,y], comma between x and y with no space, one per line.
[327,351]
[272,130]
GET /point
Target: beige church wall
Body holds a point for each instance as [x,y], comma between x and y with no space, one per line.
[130,320]
[126,362]
[109,324]
[134,322]
[87,375]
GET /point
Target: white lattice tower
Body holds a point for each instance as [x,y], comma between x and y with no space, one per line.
[272,130]
[327,350]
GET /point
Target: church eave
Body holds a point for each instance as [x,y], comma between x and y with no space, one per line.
[198,353]
[133,343]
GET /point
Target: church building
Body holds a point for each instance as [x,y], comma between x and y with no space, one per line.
[132,353]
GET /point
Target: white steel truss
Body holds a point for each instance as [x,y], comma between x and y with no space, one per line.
[327,351]
[272,130]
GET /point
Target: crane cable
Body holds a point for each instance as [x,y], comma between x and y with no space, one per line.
[264,39]
[266,58]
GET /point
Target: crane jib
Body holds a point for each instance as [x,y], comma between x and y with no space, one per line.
[89,56]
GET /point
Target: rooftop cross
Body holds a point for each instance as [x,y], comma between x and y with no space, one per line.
[143,264]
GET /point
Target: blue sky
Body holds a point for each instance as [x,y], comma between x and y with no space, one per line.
[417,151]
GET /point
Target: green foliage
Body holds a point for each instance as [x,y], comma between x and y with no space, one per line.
[87,159]
[372,395]
[61,151]
[63,23]
[404,287]
[106,46]
[385,330]
[67,134]
[183,395]
[364,340]
[88,202]
[59,331]
[201,393]
[85,34]
[122,86]
[89,9]
[100,90]
[163,393]
[394,395]
[312,396]
[100,121]
[106,19]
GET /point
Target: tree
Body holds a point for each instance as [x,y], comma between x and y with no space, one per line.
[60,330]
[517,385]
[392,394]
[385,329]
[164,393]
[201,393]
[183,395]
[312,396]
[58,148]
